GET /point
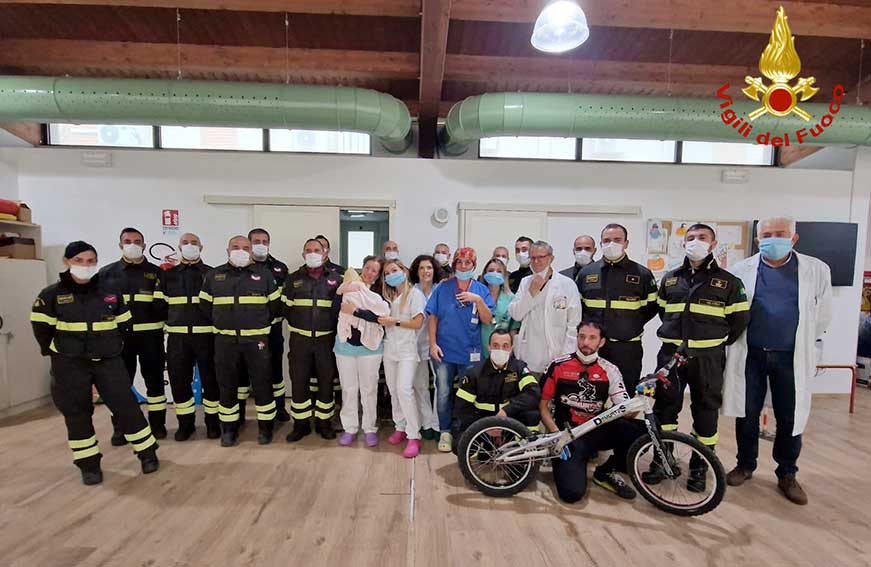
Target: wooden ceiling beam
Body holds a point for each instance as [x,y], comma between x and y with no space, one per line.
[824,19]
[93,57]
[435,19]
[792,154]
[397,8]
[30,132]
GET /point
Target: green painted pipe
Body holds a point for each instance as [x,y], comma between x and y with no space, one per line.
[641,117]
[206,103]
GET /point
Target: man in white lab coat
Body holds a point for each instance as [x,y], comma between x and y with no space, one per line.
[548,306]
[790,296]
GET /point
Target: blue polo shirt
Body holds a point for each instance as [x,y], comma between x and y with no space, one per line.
[459,325]
[774,311]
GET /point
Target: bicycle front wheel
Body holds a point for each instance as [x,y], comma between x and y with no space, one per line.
[481,444]
[696,484]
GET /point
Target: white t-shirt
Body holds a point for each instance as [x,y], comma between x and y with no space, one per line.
[401,343]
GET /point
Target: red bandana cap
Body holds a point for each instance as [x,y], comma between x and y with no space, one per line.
[466,253]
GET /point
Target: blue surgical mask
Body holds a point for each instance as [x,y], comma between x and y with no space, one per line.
[394,279]
[494,278]
[465,276]
[775,248]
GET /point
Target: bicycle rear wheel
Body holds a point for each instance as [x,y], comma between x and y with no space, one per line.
[697,483]
[483,441]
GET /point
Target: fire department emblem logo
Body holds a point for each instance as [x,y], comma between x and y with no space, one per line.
[780,64]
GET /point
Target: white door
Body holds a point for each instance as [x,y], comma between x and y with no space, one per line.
[485,230]
[290,226]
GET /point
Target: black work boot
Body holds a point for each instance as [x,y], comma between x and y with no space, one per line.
[92,476]
[213,426]
[157,421]
[230,435]
[325,428]
[697,479]
[300,430]
[264,435]
[186,427]
[118,439]
[148,460]
[281,412]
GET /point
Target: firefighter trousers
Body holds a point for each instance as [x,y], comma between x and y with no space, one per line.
[71,390]
[147,348]
[276,365]
[231,356]
[307,357]
[183,352]
[626,356]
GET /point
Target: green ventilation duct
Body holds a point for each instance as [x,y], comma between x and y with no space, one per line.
[206,103]
[642,117]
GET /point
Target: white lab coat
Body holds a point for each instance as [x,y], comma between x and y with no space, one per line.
[814,316]
[560,305]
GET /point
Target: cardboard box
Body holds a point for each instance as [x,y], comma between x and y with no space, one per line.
[24,213]
[18,248]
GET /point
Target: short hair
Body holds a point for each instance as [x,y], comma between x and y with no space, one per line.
[127,229]
[232,238]
[702,226]
[777,218]
[254,231]
[437,274]
[325,239]
[441,244]
[312,240]
[542,244]
[524,239]
[499,330]
[595,325]
[615,225]
[367,259]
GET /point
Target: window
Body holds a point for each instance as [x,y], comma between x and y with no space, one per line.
[727,153]
[618,149]
[317,141]
[115,135]
[360,245]
[361,233]
[528,147]
[206,138]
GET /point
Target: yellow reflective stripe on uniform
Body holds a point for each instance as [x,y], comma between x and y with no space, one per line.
[185,408]
[305,333]
[303,303]
[82,443]
[324,303]
[632,340]
[266,412]
[147,326]
[228,415]
[274,295]
[661,302]
[51,347]
[124,317]
[181,300]
[142,439]
[692,343]
[711,310]
[202,329]
[67,326]
[464,395]
[534,428]
[139,447]
[104,326]
[302,405]
[206,296]
[243,392]
[673,307]
[324,415]
[709,441]
[594,303]
[301,415]
[79,454]
[278,390]
[668,427]
[252,300]
[652,296]
[156,403]
[43,318]
[286,301]
[325,405]
[126,297]
[144,297]
[159,294]
[527,381]
[255,332]
[210,407]
[629,305]
[485,406]
[736,307]
[186,404]
[277,320]
[222,300]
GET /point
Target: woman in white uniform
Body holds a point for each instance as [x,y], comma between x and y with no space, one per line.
[424,272]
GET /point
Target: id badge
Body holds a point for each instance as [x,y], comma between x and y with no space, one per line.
[474,356]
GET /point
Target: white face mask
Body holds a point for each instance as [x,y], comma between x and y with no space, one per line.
[132,251]
[391,255]
[83,272]
[612,250]
[583,257]
[190,252]
[588,359]
[442,259]
[522,259]
[314,260]
[697,250]
[500,357]
[240,258]
[260,251]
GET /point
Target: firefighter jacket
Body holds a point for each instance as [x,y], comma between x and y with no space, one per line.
[706,306]
[310,304]
[137,282]
[178,296]
[80,320]
[278,269]
[240,302]
[620,296]
[486,389]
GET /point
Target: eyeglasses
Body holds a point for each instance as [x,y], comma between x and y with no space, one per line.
[545,257]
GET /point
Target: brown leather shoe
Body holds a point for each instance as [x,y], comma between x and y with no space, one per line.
[738,476]
[792,490]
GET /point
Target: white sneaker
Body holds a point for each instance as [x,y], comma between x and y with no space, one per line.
[445,441]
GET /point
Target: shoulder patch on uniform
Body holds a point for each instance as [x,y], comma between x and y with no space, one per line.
[297,283]
[63,299]
[633,279]
[511,377]
[718,283]
[39,302]
[670,282]
[591,278]
[255,277]
[277,268]
[150,276]
[219,277]
[332,283]
[110,298]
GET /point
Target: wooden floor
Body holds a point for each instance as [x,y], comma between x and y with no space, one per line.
[319,504]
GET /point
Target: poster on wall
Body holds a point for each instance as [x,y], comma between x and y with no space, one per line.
[664,250]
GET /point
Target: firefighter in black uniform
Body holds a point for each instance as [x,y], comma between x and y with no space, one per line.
[498,385]
[583,250]
[706,307]
[137,278]
[191,341]
[260,250]
[328,263]
[339,269]
[241,300]
[620,295]
[78,322]
[521,254]
[312,313]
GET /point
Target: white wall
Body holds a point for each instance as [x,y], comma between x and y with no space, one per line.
[8,179]
[72,201]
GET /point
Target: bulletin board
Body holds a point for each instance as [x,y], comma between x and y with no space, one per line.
[664,243]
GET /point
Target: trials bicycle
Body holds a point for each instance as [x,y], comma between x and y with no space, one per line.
[499,456]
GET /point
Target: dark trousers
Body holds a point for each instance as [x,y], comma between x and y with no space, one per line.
[276,359]
[147,347]
[71,381]
[703,373]
[570,476]
[766,368]
[626,356]
[183,352]
[307,357]
[231,355]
